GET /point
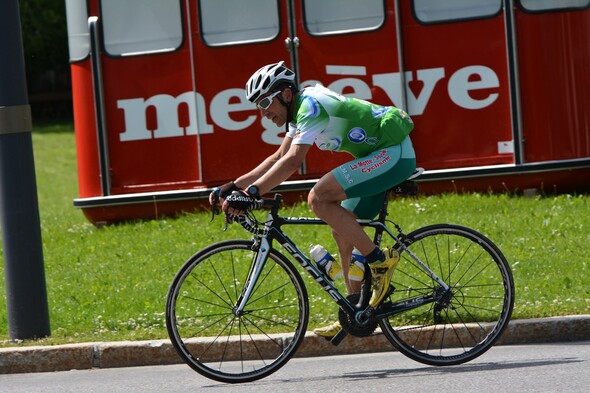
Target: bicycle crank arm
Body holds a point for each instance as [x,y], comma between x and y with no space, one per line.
[337,339]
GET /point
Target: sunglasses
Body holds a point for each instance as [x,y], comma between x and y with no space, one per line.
[267,101]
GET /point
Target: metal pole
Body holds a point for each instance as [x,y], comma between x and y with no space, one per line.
[26,294]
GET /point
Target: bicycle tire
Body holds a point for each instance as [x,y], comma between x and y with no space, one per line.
[231,348]
[460,328]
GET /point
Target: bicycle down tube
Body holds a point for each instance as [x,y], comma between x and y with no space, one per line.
[272,231]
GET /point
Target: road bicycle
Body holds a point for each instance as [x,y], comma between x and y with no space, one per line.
[238,310]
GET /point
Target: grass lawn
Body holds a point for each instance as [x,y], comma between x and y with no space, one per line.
[111,283]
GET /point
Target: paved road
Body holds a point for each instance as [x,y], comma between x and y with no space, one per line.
[558,367]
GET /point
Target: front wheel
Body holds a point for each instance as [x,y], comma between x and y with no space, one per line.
[464,322]
[216,340]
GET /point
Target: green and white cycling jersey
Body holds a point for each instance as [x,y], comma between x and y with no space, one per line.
[337,123]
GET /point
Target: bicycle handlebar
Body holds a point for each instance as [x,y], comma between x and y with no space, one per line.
[249,224]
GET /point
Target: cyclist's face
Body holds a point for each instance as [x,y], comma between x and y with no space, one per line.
[275,112]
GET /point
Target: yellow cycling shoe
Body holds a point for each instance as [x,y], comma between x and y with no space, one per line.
[381,275]
[328,331]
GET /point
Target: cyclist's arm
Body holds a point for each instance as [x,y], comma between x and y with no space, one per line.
[250,177]
[286,165]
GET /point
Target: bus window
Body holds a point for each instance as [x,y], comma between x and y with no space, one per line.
[545,5]
[342,16]
[78,35]
[432,11]
[232,22]
[134,27]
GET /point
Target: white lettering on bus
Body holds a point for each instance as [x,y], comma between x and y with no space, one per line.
[391,84]
[166,107]
[226,102]
[221,107]
[460,85]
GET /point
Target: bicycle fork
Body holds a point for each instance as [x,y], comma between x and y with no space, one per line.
[255,270]
[264,249]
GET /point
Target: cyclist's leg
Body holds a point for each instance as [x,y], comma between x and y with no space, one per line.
[345,253]
[364,208]
[365,180]
[362,198]
[324,199]
[360,178]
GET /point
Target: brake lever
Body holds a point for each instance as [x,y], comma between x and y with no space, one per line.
[229,218]
[214,211]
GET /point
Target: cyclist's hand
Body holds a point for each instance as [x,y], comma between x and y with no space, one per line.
[221,192]
[238,203]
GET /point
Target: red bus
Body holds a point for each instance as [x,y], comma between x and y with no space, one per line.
[499,91]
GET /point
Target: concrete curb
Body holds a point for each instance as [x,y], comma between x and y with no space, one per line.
[161,352]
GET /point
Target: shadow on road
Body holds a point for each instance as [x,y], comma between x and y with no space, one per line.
[467,368]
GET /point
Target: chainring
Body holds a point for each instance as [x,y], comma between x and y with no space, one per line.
[351,326]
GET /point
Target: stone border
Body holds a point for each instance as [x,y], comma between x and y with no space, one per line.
[160,352]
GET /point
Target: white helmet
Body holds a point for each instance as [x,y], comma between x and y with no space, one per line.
[267,78]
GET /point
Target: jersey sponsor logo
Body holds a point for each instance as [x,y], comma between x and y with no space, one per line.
[312,107]
[358,135]
[368,165]
[376,165]
[378,112]
[332,144]
[346,174]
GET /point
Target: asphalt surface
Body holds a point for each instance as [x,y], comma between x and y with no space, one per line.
[29,359]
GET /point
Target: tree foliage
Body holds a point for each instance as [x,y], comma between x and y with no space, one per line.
[45,42]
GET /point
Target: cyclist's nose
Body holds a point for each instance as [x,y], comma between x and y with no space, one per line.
[265,113]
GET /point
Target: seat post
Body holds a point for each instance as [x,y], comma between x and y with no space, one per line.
[381,218]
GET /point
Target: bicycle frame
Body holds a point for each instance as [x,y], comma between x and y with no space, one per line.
[272,231]
[431,321]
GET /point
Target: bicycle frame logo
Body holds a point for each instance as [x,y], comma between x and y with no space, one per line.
[304,262]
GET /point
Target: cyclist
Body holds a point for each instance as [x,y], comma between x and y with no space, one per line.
[377,138]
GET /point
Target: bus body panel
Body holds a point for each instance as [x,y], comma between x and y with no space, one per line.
[177,119]
[554,59]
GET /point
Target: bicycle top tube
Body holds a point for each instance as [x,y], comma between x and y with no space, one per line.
[407,187]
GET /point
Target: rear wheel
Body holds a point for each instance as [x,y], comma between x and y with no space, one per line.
[214,339]
[465,322]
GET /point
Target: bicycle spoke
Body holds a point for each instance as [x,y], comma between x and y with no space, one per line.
[464,322]
[202,304]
